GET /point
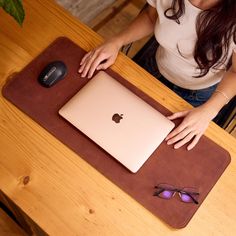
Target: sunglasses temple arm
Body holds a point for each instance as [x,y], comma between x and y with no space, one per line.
[194,200]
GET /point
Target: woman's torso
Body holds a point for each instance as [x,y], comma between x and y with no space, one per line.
[174,56]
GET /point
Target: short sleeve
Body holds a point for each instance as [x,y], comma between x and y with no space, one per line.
[152,3]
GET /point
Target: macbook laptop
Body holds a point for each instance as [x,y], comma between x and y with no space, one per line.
[120,122]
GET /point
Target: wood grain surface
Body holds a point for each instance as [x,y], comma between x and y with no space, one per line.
[8,227]
[57,189]
[85,10]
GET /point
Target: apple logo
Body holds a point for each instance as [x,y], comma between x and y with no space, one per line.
[117,117]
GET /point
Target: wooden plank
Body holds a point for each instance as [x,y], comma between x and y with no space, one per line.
[8,227]
[120,21]
[107,15]
[83,9]
[103,21]
[29,226]
[139,3]
[233,133]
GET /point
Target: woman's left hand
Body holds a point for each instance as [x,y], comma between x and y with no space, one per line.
[192,127]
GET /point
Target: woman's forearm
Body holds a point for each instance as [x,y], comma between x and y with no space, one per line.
[224,92]
[142,26]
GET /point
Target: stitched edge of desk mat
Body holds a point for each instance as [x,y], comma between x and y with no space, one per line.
[200,167]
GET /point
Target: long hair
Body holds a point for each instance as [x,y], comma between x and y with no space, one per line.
[215,27]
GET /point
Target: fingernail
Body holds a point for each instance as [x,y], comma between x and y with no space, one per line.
[169,142]
[175,147]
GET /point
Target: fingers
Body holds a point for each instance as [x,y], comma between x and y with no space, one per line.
[178,115]
[87,64]
[105,65]
[102,62]
[194,142]
[184,140]
[94,61]
[185,136]
[86,56]
[191,129]
[176,136]
[100,58]
[92,66]
[176,131]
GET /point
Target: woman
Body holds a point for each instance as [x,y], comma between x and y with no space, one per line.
[197,43]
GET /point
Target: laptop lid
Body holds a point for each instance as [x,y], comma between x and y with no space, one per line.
[117,120]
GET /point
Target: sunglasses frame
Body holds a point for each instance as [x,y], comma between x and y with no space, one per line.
[175,190]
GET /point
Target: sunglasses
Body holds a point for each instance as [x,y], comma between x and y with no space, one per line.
[166,191]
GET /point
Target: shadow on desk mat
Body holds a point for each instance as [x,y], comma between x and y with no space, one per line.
[200,167]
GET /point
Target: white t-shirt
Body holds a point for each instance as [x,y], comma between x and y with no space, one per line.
[180,68]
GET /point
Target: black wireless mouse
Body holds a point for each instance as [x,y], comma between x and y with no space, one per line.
[52,73]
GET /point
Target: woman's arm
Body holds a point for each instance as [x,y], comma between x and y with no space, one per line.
[197,119]
[142,26]
[105,55]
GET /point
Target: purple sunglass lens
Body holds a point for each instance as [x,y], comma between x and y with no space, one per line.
[185,197]
[167,194]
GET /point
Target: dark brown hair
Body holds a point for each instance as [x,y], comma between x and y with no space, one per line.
[215,28]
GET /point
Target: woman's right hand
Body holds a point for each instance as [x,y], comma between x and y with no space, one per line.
[100,58]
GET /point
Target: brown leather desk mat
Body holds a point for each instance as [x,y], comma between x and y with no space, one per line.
[200,167]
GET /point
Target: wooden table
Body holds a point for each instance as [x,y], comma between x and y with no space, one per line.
[54,187]
[8,226]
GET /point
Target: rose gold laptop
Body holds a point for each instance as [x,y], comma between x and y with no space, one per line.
[117,120]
